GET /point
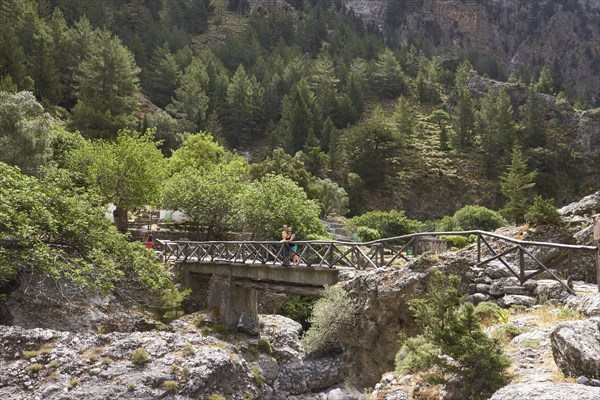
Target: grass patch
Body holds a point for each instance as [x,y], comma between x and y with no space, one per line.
[258,378]
[34,368]
[28,355]
[139,356]
[170,385]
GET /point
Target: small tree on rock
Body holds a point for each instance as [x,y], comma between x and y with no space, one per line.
[515,185]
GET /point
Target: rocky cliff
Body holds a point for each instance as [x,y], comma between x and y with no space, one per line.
[506,35]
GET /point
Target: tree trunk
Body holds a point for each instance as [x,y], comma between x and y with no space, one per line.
[120,219]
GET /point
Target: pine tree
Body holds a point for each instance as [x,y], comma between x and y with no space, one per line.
[245,97]
[404,117]
[191,102]
[298,115]
[464,120]
[107,87]
[515,185]
[162,76]
[388,77]
[497,129]
[534,129]
[440,118]
[545,83]
[323,83]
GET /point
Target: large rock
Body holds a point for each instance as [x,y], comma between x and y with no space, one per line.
[587,304]
[576,347]
[371,344]
[547,391]
[585,206]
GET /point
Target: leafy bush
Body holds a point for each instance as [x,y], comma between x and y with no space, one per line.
[366,234]
[478,218]
[299,309]
[264,346]
[487,312]
[332,315]
[170,385]
[446,224]
[456,241]
[450,328]
[69,237]
[387,223]
[258,378]
[543,211]
[140,356]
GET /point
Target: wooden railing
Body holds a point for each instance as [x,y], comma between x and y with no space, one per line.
[375,254]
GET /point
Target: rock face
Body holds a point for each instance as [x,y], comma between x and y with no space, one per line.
[370,345]
[576,348]
[587,304]
[44,303]
[183,363]
[547,391]
[587,205]
[509,34]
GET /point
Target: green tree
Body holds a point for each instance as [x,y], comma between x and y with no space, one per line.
[441,118]
[387,223]
[332,315]
[534,124]
[477,218]
[191,102]
[332,199]
[245,97]
[387,77]
[25,131]
[515,185]
[464,120]
[324,85]
[543,211]
[107,87]
[545,83]
[265,205]
[68,238]
[298,116]
[205,196]
[127,172]
[405,119]
[497,129]
[372,148]
[161,77]
[451,328]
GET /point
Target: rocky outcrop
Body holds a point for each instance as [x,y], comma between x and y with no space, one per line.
[183,362]
[371,344]
[547,391]
[506,35]
[586,206]
[587,304]
[45,303]
[576,348]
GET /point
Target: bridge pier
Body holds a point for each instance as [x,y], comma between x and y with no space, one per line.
[235,303]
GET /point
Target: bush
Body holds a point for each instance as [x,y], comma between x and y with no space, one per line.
[332,314]
[450,328]
[34,368]
[543,211]
[366,234]
[456,241]
[140,356]
[387,223]
[264,346]
[487,312]
[299,309]
[169,386]
[258,378]
[478,218]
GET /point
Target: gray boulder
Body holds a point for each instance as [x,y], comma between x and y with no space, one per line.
[576,347]
[587,304]
[515,299]
[546,391]
[584,206]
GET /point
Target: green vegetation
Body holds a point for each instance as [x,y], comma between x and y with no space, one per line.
[299,309]
[170,386]
[258,378]
[386,223]
[139,356]
[30,354]
[332,315]
[72,384]
[450,328]
[34,368]
[264,346]
[543,211]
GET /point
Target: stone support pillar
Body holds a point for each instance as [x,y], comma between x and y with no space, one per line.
[237,304]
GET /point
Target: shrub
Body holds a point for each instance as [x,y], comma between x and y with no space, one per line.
[387,223]
[332,315]
[140,356]
[450,328]
[507,332]
[299,309]
[446,224]
[72,384]
[28,355]
[52,364]
[543,211]
[131,386]
[258,378]
[478,218]
[106,361]
[34,368]
[456,241]
[264,346]
[188,349]
[215,397]
[487,312]
[366,234]
[169,386]
[199,322]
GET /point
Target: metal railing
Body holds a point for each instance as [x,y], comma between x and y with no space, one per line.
[376,254]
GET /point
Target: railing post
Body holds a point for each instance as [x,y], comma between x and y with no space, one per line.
[478,248]
[381,262]
[521,265]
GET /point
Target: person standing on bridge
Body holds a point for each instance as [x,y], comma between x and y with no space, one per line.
[293,247]
[286,247]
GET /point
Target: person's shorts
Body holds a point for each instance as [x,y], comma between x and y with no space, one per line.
[286,251]
[294,248]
